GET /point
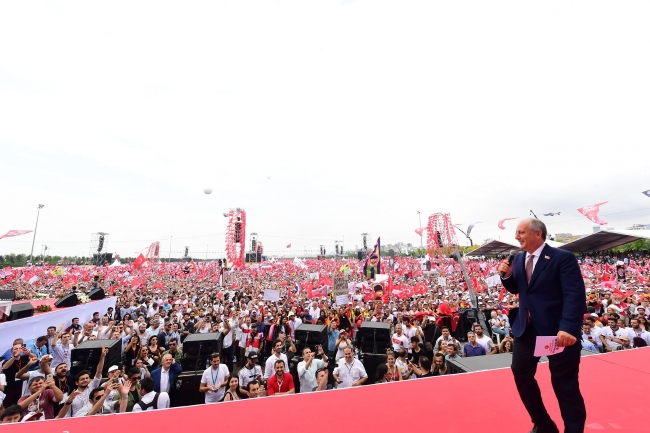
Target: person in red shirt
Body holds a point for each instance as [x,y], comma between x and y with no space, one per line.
[280,383]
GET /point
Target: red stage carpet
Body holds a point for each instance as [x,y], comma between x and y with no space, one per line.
[615,387]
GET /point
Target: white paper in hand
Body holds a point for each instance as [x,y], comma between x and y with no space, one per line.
[547,346]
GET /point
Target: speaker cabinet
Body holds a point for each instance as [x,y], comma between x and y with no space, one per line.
[374,337]
[310,335]
[187,389]
[20,311]
[207,344]
[370,363]
[86,356]
[97,294]
[7,295]
[69,300]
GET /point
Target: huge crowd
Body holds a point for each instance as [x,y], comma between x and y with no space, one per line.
[159,305]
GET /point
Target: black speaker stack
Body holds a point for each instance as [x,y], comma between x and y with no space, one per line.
[197,349]
[69,300]
[308,335]
[96,294]
[187,389]
[86,356]
[253,257]
[370,363]
[21,310]
[374,337]
[7,295]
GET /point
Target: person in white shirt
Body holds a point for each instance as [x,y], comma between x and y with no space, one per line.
[151,400]
[85,385]
[636,330]
[214,380]
[350,371]
[610,335]
[484,340]
[250,372]
[293,323]
[399,340]
[590,336]
[446,336]
[277,354]
[314,311]
[308,367]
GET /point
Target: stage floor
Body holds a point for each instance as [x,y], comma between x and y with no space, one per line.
[615,387]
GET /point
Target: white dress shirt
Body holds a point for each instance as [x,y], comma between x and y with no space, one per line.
[537,253]
[164,380]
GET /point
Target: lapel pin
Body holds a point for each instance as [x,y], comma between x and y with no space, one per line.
[547,257]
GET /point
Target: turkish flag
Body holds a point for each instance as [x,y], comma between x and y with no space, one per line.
[139,261]
[591,212]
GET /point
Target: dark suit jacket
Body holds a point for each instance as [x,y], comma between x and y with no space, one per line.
[174,370]
[555,296]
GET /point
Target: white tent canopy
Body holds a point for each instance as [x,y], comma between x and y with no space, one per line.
[116,263]
[499,247]
[604,240]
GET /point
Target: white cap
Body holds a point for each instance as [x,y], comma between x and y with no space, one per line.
[113,368]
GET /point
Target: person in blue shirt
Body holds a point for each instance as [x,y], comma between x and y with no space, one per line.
[472,348]
[38,346]
[332,336]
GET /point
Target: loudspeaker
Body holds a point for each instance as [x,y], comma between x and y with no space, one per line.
[7,295]
[310,335]
[101,258]
[253,257]
[20,311]
[370,363]
[207,344]
[359,255]
[187,389]
[86,356]
[96,294]
[374,337]
[69,300]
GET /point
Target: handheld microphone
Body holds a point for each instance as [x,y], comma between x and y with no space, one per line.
[511,258]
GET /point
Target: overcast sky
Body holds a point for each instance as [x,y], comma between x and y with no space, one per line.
[322,119]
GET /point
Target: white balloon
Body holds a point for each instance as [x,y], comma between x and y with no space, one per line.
[208,190]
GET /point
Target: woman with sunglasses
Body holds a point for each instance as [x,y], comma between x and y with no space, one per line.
[131,350]
[154,350]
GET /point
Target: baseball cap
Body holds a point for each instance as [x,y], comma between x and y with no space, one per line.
[252,355]
[291,314]
[113,368]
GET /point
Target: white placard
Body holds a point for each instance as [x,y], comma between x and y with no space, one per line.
[342,300]
[271,295]
[442,281]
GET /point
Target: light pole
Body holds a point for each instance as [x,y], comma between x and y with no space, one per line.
[31,255]
[420,220]
[171,238]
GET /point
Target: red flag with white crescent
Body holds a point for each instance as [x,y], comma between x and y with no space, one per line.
[12,233]
[591,212]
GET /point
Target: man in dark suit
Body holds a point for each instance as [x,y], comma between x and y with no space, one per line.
[551,302]
[163,376]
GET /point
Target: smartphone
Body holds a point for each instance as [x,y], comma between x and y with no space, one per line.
[115,380]
[49,377]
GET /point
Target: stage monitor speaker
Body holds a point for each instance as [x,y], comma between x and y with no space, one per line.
[207,344]
[308,335]
[370,363]
[86,356]
[20,311]
[492,362]
[374,337]
[7,295]
[96,294]
[186,391]
[359,255]
[69,300]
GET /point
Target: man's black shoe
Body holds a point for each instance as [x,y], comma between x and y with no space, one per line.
[549,429]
